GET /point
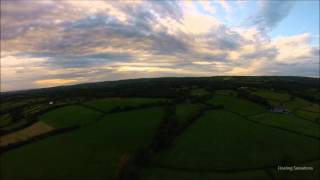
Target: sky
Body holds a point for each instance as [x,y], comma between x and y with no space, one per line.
[61,42]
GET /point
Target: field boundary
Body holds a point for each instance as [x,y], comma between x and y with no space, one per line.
[272,126]
[37,138]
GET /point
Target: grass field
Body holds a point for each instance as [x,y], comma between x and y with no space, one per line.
[308,115]
[226,92]
[290,122]
[16,103]
[185,111]
[238,140]
[199,92]
[300,175]
[167,174]
[313,108]
[296,103]
[238,105]
[271,95]
[225,141]
[69,116]
[109,103]
[5,120]
[91,152]
[26,133]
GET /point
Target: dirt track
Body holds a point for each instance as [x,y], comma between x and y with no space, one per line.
[26,133]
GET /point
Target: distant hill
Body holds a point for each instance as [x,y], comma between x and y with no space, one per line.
[161,87]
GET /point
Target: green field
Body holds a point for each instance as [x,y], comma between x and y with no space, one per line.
[109,103]
[185,111]
[313,108]
[164,129]
[5,120]
[69,116]
[299,175]
[308,115]
[91,152]
[271,95]
[224,141]
[226,92]
[237,105]
[167,174]
[199,92]
[289,122]
[297,103]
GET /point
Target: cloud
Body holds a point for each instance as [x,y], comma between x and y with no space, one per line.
[294,49]
[224,4]
[271,13]
[84,41]
[54,82]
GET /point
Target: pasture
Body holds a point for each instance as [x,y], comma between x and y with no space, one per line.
[118,133]
[91,152]
[169,174]
[241,106]
[290,122]
[26,133]
[224,141]
[186,110]
[109,103]
[69,116]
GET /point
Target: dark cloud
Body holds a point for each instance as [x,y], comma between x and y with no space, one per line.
[224,38]
[166,44]
[168,9]
[18,16]
[112,32]
[296,69]
[78,61]
[68,40]
[271,14]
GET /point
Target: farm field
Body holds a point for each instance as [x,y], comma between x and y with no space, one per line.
[109,103]
[297,103]
[162,173]
[180,131]
[282,97]
[309,115]
[184,111]
[289,122]
[5,120]
[226,92]
[213,143]
[69,116]
[299,175]
[235,104]
[313,108]
[91,152]
[26,133]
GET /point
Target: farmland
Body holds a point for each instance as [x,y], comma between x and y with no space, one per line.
[213,143]
[69,116]
[91,152]
[180,128]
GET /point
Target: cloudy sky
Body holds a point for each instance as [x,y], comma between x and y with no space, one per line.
[58,42]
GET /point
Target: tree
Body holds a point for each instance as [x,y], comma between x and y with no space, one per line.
[16,114]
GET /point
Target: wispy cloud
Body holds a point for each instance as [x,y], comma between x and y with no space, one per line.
[271,13]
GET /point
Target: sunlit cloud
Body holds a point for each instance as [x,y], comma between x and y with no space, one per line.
[55,82]
[50,43]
